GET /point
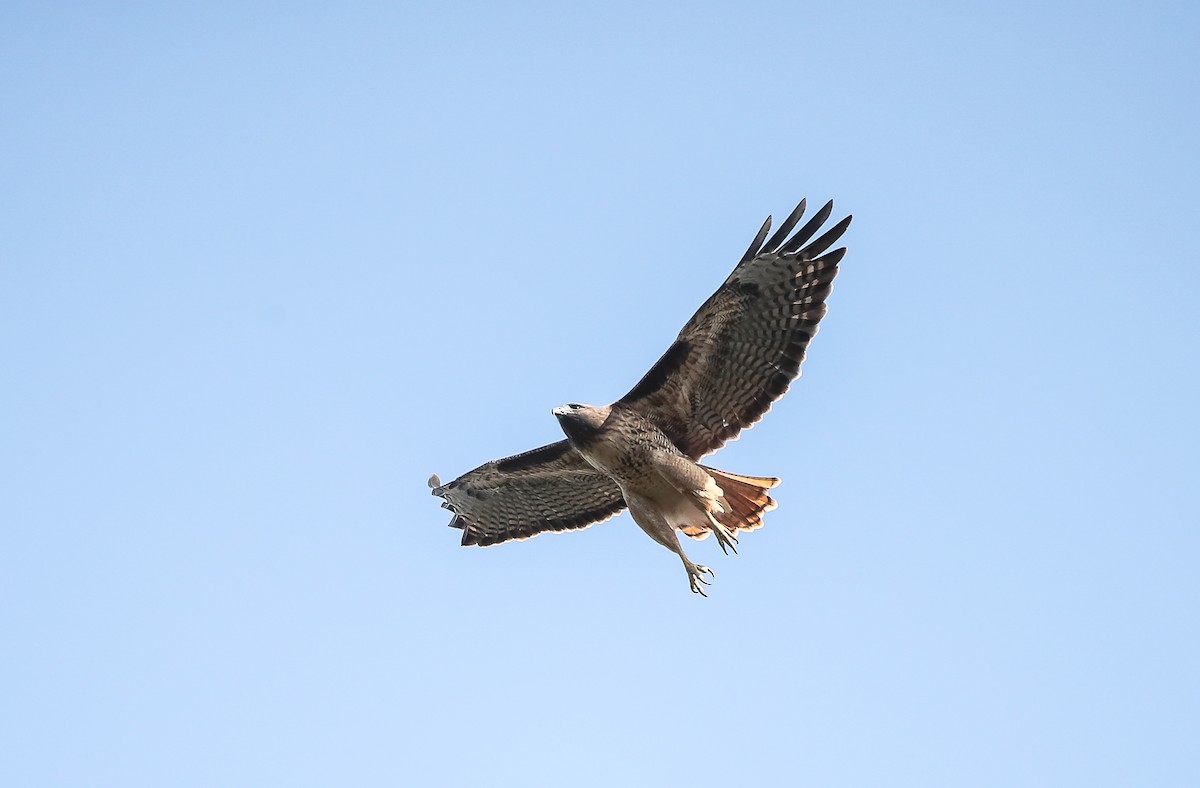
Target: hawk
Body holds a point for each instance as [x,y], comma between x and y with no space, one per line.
[736,356]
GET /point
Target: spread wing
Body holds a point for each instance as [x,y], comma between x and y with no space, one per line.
[744,346]
[547,489]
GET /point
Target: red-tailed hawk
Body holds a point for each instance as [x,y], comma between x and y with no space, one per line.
[734,358]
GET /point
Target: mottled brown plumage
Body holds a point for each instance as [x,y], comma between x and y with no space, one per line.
[736,356]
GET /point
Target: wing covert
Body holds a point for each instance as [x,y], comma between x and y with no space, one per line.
[551,488]
[744,346]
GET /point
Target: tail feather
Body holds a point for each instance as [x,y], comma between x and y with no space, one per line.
[746,501]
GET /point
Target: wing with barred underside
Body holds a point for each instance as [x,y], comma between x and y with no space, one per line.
[744,346]
[551,488]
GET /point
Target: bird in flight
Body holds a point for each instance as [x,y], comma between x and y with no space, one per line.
[736,356]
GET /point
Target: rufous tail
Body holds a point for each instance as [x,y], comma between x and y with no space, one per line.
[746,498]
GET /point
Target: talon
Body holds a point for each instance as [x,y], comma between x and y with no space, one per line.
[696,574]
[725,537]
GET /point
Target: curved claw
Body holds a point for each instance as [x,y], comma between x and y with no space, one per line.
[696,574]
[725,537]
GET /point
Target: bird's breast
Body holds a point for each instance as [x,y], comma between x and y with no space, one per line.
[625,451]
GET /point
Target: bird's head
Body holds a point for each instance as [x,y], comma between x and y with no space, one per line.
[580,422]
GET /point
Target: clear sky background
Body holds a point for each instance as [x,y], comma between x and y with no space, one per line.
[265,267]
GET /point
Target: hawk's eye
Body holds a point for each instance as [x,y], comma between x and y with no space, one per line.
[573,406]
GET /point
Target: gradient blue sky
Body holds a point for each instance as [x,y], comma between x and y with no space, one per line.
[265,267]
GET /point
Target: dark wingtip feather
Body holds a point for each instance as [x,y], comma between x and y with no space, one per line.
[756,244]
[806,232]
[782,233]
[469,537]
[827,240]
[834,257]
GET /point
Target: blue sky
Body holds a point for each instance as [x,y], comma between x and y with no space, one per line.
[264,269]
